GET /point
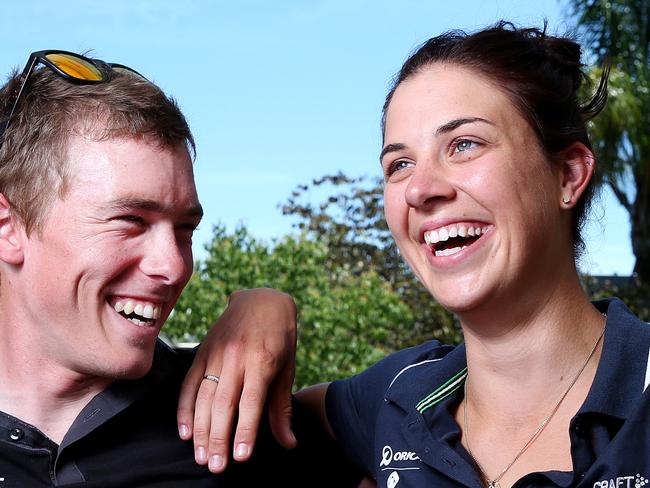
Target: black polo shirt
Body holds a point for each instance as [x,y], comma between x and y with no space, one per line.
[127,437]
[395,419]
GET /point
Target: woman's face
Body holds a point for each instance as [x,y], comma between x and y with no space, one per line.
[471,200]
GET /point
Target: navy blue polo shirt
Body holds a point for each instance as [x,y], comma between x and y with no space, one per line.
[127,437]
[395,420]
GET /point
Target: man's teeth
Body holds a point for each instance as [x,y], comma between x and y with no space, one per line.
[138,322]
[148,311]
[143,309]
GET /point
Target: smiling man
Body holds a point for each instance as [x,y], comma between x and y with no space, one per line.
[97,209]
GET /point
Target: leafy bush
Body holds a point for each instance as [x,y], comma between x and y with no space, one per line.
[345,318]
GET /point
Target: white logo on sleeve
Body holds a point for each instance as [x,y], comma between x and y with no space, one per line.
[629,481]
[393,479]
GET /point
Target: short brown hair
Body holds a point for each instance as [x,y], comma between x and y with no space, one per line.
[33,149]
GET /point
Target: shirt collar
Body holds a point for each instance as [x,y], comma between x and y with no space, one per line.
[429,380]
[118,396]
[622,375]
[623,370]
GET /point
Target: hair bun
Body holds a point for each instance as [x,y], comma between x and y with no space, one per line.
[564,55]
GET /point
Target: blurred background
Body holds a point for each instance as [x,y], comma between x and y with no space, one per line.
[284,100]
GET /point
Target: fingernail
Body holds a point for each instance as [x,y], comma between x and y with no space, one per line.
[201,455]
[184,431]
[242,450]
[216,462]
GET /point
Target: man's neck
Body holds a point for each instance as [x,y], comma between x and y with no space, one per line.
[38,390]
[33,400]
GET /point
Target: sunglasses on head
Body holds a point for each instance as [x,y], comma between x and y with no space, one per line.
[72,67]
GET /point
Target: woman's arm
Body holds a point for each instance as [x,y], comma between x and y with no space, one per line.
[258,341]
[251,348]
[313,399]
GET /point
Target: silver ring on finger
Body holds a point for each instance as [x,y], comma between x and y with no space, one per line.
[211,377]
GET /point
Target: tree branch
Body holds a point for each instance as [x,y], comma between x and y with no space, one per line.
[620,195]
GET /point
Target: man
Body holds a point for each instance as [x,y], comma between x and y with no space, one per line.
[97,209]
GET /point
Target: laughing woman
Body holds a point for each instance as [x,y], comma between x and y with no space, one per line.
[488,177]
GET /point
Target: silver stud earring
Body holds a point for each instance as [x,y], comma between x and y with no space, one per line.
[566,200]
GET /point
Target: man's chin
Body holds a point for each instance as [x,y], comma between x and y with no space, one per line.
[138,370]
[135,369]
[135,373]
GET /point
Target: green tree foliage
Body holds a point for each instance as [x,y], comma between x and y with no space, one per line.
[350,221]
[633,292]
[618,31]
[345,316]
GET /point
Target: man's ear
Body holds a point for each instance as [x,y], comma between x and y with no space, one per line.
[11,234]
[578,165]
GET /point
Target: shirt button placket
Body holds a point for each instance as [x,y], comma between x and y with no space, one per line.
[16,434]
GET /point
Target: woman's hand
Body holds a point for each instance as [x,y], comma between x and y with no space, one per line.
[251,349]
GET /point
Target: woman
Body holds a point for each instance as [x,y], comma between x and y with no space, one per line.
[489,175]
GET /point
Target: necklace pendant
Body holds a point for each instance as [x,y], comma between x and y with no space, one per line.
[493,484]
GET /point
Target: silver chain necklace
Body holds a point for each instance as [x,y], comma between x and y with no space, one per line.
[494,483]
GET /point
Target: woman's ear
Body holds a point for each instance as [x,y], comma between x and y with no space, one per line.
[11,234]
[578,165]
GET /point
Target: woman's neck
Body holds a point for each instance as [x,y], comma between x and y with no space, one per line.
[523,358]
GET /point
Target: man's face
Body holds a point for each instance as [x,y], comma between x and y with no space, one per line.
[113,257]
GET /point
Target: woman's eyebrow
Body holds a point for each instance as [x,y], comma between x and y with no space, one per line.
[454,124]
[443,129]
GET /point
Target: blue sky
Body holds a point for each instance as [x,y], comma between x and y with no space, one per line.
[279,92]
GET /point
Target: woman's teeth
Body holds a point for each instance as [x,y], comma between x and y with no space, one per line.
[438,238]
[449,252]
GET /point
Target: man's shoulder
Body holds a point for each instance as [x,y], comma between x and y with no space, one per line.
[171,359]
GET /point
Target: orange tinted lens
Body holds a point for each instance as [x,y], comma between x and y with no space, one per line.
[75,67]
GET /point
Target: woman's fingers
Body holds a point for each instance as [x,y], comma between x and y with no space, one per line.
[251,348]
[279,406]
[187,399]
[214,421]
[251,405]
[203,418]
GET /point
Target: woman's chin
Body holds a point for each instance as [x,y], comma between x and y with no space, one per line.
[460,297]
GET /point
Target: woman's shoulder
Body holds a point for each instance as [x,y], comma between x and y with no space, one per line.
[402,366]
[426,368]
[420,356]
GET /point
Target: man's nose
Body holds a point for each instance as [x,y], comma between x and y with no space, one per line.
[165,258]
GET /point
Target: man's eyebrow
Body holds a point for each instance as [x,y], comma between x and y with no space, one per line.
[454,124]
[391,148]
[128,203]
